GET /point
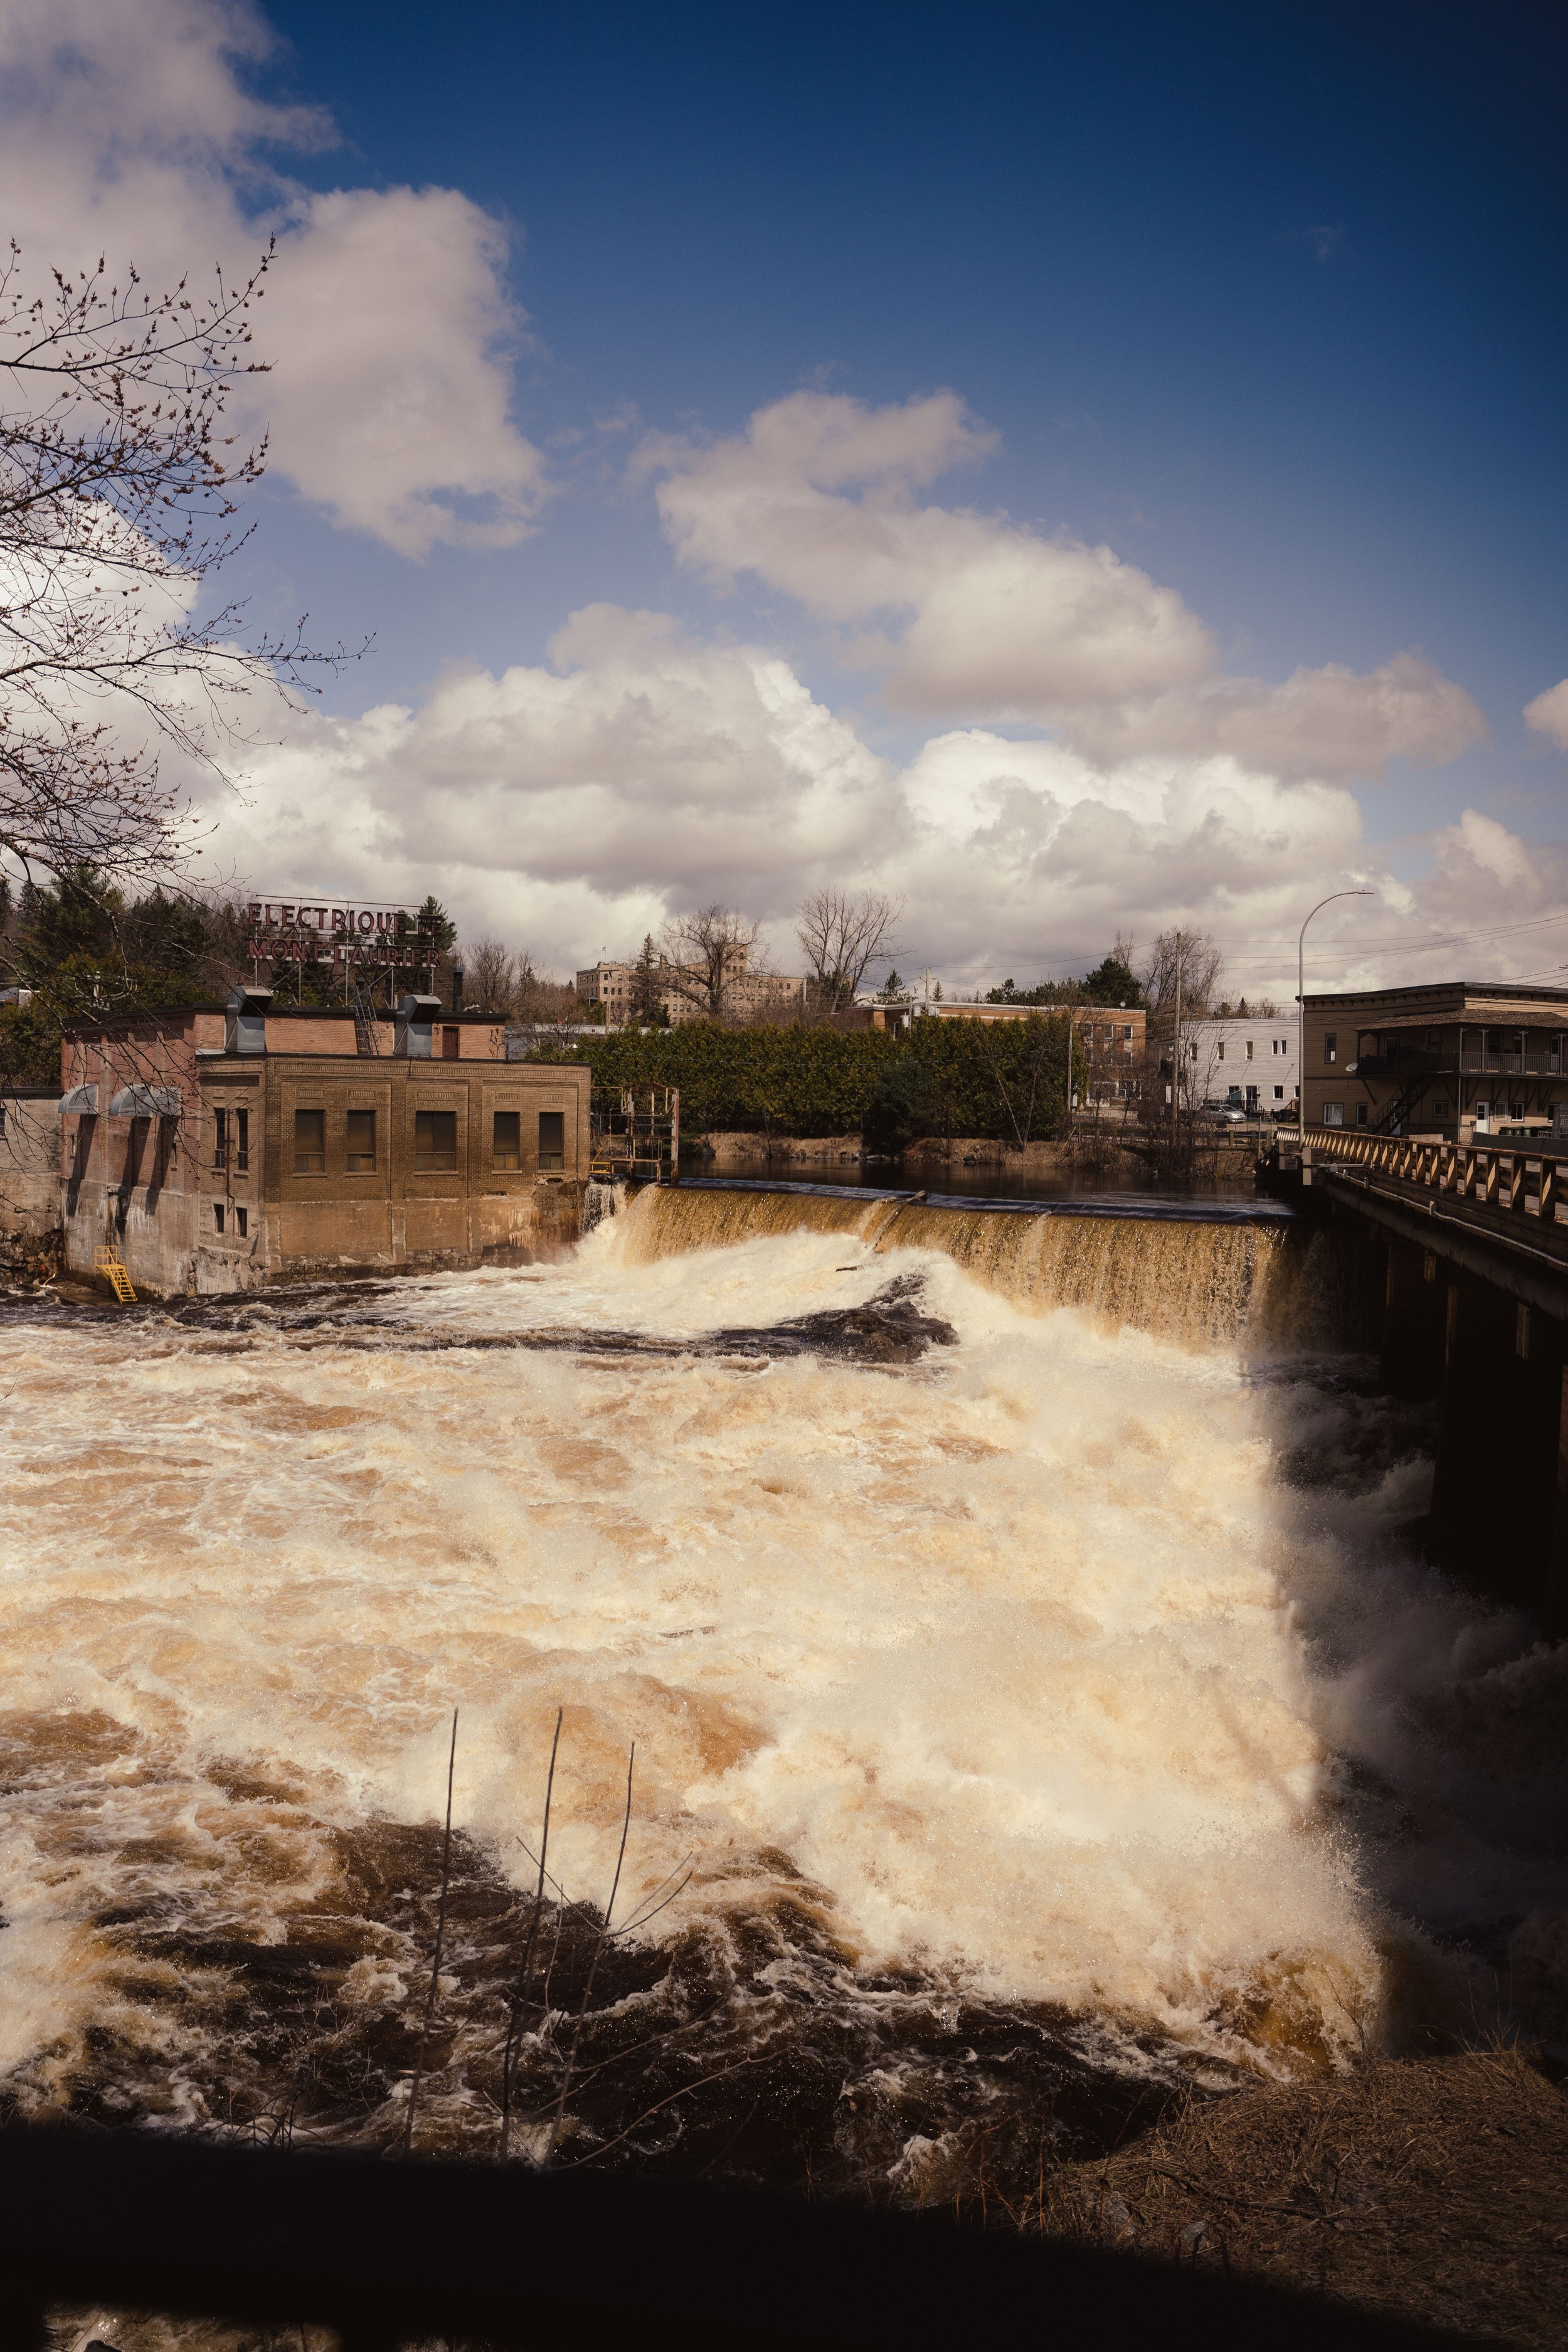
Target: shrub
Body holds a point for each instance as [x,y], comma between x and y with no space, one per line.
[952,1077]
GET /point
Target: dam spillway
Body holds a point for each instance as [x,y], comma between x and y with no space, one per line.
[1054,1691]
[1192,1270]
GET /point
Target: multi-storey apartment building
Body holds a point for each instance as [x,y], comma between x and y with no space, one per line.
[747,995]
[1452,1060]
[1241,1062]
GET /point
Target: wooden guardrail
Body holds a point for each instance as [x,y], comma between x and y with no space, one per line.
[1522,1185]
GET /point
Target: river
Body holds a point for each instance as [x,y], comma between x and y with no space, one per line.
[1037,1708]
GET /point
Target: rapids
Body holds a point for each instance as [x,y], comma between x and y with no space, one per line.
[1008,1605]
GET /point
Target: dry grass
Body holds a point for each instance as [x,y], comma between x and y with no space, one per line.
[1434,2188]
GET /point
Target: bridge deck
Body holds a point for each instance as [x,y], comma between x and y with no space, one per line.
[1508,1200]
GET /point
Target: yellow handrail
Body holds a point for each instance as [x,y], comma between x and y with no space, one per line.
[107,1260]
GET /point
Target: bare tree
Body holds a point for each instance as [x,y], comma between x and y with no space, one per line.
[118,488]
[1201,966]
[841,934]
[708,952]
[490,978]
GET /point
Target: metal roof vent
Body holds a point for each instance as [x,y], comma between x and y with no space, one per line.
[246,1010]
[415,1018]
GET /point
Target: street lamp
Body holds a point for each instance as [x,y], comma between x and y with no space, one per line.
[1302,1001]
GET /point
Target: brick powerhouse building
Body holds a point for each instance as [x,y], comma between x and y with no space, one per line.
[224,1147]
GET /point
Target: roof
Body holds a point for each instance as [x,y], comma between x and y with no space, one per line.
[1457,994]
[105,1016]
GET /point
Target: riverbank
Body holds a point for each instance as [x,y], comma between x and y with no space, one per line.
[1433,2190]
[1095,1159]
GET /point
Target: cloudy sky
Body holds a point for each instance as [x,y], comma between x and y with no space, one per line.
[1075,469]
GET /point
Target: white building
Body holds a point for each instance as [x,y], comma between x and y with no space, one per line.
[1242,1063]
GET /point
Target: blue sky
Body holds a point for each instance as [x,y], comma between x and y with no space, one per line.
[1268,303]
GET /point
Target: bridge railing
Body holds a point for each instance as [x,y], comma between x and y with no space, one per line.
[1528,1182]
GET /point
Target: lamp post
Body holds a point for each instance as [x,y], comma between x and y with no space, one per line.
[1302,1001]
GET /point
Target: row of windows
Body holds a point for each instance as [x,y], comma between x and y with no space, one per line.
[1277,1045]
[434,1141]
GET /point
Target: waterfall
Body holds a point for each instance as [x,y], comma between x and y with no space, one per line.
[1199,1284]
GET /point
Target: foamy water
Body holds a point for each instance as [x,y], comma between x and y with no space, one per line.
[1022,1655]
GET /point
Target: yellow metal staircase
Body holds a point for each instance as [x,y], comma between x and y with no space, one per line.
[108,1260]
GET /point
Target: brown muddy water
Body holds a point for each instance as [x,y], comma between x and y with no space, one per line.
[1037,1712]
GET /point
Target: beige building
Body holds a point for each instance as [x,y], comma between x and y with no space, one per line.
[748,995]
[218,1147]
[1455,1060]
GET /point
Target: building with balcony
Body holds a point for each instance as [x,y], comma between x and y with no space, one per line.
[219,1146]
[1454,1061]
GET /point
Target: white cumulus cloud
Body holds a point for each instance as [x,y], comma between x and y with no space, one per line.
[127,131]
[976,614]
[1548,714]
[571,806]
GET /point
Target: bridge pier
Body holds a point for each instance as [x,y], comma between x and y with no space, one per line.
[1500,1489]
[1410,1349]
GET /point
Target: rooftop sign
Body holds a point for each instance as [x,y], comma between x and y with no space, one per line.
[338,930]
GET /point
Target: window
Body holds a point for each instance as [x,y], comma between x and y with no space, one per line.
[1331,1046]
[361,1143]
[1249,1049]
[1433,1041]
[220,1146]
[1222,1049]
[552,1138]
[1334,1114]
[242,1222]
[449,1043]
[242,1143]
[310,1143]
[506,1143]
[1440,1107]
[1278,1093]
[1127,1031]
[1361,1114]
[435,1139]
[217,1216]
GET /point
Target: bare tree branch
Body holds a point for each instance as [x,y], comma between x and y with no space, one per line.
[117,488]
[708,953]
[841,934]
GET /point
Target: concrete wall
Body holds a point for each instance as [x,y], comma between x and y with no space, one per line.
[29,1172]
[156,1187]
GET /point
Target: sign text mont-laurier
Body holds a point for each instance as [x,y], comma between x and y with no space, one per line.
[338,930]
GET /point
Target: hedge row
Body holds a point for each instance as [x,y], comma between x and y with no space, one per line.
[951,1077]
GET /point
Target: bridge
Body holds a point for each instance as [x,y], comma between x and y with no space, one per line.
[1470,1241]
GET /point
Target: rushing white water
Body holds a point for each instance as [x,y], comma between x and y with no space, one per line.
[1015,1651]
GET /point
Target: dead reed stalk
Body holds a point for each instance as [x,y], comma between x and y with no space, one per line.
[440,1938]
[509,2060]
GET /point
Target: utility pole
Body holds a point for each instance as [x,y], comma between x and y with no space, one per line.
[1176,1055]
